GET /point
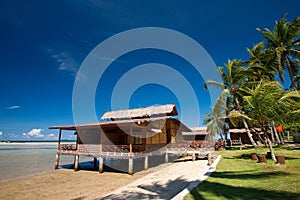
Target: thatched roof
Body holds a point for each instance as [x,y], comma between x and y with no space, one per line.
[123,123]
[197,131]
[162,110]
[109,123]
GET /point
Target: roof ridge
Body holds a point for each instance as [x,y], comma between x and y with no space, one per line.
[166,109]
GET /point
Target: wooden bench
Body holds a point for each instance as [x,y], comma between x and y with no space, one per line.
[234,143]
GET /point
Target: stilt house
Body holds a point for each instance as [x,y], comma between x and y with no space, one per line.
[128,134]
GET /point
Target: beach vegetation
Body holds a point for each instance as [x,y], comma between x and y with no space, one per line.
[256,97]
[239,177]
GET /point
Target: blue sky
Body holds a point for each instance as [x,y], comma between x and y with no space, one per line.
[43,44]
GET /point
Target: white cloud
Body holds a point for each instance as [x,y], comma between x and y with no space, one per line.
[25,135]
[65,56]
[66,62]
[37,133]
[13,135]
[1,133]
[13,107]
[51,135]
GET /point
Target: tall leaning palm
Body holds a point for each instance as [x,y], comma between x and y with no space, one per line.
[284,42]
[233,79]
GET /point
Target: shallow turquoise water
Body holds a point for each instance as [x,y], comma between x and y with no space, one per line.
[24,159]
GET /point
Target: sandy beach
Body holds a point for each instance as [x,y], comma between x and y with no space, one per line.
[161,182]
[67,184]
[27,173]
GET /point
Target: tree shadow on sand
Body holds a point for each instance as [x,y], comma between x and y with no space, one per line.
[153,191]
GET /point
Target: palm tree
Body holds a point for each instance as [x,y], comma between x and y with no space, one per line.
[263,104]
[233,79]
[215,120]
[292,118]
[283,42]
[261,64]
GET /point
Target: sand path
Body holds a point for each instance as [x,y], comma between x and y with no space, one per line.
[162,184]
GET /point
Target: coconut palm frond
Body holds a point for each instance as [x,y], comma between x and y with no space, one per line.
[291,94]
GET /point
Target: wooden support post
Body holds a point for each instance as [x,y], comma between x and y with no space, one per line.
[146,163]
[130,150]
[76,163]
[95,163]
[101,165]
[288,135]
[130,138]
[57,161]
[59,138]
[77,140]
[166,158]
[193,157]
[130,166]
[209,161]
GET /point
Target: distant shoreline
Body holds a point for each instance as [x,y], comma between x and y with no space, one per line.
[35,141]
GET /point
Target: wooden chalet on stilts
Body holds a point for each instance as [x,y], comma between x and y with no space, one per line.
[130,134]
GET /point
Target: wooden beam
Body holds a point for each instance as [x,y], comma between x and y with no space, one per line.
[130,166]
[166,158]
[130,146]
[59,137]
[130,150]
[77,140]
[146,163]
[101,138]
[101,164]
[193,157]
[57,161]
[209,159]
[76,163]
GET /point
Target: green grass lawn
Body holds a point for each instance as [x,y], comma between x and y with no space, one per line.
[239,177]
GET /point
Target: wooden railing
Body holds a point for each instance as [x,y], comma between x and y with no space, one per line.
[123,148]
[97,149]
[67,148]
[91,149]
[70,147]
[195,145]
[181,145]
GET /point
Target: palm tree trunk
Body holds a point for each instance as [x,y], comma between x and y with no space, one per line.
[271,149]
[272,136]
[262,141]
[269,143]
[245,124]
[249,134]
[290,72]
[275,132]
[281,137]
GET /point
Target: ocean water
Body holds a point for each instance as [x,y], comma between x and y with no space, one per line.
[30,158]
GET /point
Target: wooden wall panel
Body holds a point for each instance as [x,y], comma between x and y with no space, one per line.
[89,136]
